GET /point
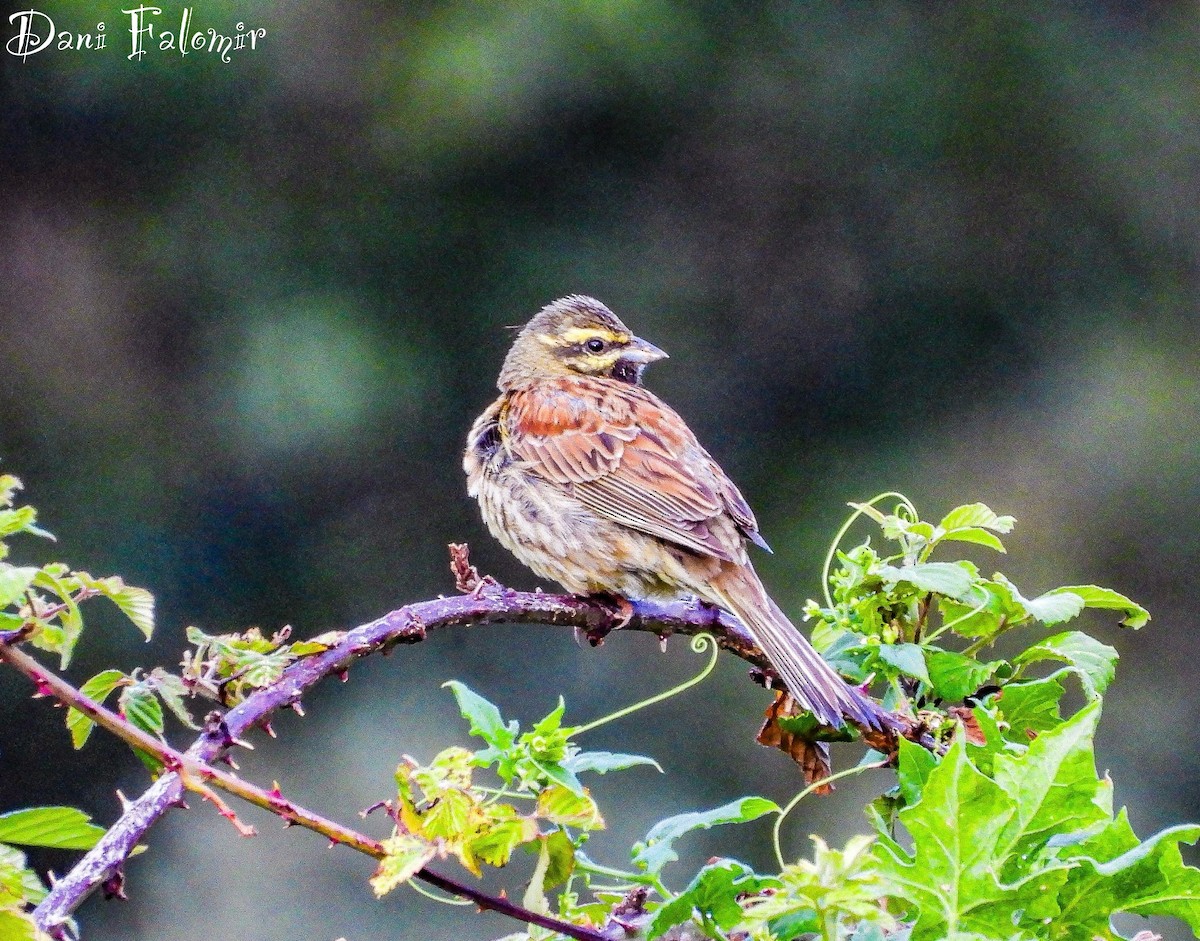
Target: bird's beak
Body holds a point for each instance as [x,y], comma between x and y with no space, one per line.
[640,351]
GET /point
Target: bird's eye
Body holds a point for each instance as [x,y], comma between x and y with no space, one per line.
[594,345]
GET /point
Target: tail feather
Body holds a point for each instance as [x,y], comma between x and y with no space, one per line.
[810,680]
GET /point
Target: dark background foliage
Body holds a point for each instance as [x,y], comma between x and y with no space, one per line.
[250,309]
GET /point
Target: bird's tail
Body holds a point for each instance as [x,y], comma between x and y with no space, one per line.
[812,682]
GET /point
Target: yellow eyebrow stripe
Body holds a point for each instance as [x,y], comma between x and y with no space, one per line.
[581,334]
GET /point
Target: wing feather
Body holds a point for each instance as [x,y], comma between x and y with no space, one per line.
[627,456]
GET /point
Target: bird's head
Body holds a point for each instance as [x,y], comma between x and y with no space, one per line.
[577,335]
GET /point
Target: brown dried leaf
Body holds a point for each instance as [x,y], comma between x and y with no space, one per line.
[812,757]
[970,724]
[466,576]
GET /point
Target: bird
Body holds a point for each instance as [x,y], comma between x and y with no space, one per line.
[594,482]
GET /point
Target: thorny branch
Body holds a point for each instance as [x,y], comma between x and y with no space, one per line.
[486,602]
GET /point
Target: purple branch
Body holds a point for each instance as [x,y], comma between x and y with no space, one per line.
[407,625]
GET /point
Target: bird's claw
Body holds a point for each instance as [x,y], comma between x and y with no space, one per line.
[618,612]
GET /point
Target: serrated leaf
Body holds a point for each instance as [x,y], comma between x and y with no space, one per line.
[560,805]
[138,606]
[96,689]
[1114,872]
[451,816]
[944,578]
[406,856]
[955,677]
[658,848]
[14,582]
[1096,597]
[909,659]
[503,833]
[602,762]
[483,716]
[63,828]
[949,881]
[1094,662]
[172,690]
[1053,786]
[21,520]
[141,708]
[975,515]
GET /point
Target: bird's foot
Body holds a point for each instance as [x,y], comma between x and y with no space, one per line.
[617,612]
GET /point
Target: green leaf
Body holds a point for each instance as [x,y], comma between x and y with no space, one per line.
[14,582]
[713,894]
[1055,607]
[534,898]
[504,833]
[562,806]
[949,881]
[450,816]
[173,691]
[561,852]
[556,774]
[483,716]
[913,769]
[1053,786]
[980,615]
[601,762]
[1030,707]
[138,605]
[980,537]
[658,849]
[1094,662]
[1113,872]
[945,578]
[955,677]
[17,926]
[974,515]
[1096,597]
[406,856]
[69,619]
[842,887]
[96,689]
[63,828]
[906,658]
[141,708]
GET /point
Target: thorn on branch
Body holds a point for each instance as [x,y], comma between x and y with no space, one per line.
[114,886]
[224,809]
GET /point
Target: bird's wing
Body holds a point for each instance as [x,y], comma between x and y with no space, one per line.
[628,457]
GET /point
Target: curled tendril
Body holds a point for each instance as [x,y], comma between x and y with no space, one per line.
[699,644]
[905,505]
[844,773]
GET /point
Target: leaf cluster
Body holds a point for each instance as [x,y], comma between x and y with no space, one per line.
[42,602]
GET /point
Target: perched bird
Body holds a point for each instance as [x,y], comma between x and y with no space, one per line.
[591,480]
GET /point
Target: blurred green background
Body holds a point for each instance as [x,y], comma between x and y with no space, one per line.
[251,308]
